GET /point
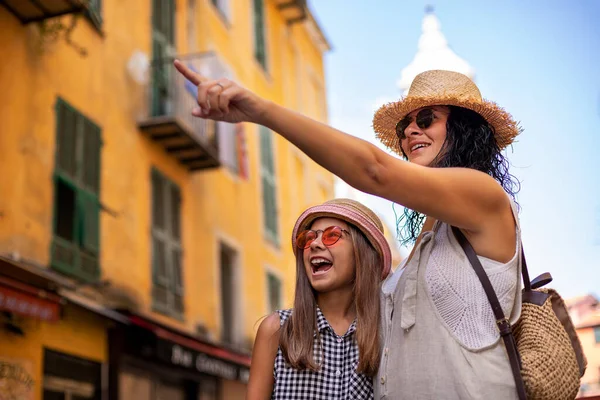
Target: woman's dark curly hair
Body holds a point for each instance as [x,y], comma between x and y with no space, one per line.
[470,143]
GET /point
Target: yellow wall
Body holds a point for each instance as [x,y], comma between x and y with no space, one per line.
[79,334]
[216,205]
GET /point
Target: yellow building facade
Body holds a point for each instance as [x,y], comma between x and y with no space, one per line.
[146,223]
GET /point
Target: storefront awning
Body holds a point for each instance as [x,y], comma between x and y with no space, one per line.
[47,286]
[181,350]
[93,306]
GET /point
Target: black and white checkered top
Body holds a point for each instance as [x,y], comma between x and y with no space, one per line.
[337,378]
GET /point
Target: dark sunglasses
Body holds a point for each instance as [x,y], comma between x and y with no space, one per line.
[330,236]
[425,118]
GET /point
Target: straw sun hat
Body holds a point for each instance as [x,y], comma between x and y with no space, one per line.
[443,88]
[354,213]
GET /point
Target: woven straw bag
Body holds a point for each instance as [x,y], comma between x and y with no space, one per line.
[544,351]
[552,360]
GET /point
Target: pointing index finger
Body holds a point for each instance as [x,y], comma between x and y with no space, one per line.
[187,73]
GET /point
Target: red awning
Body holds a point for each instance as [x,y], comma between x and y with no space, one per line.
[186,340]
[26,300]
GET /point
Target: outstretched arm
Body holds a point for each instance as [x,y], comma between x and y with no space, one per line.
[458,196]
[462,197]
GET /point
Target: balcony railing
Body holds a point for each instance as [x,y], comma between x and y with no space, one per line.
[169,122]
[38,10]
[292,10]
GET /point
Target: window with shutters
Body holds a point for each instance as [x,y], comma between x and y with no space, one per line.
[167,282]
[274,292]
[260,45]
[76,241]
[269,186]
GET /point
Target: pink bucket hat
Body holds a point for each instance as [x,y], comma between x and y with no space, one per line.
[356,214]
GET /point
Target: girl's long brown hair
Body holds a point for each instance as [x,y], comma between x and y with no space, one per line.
[297,333]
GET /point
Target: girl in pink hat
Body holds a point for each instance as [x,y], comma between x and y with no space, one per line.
[328,345]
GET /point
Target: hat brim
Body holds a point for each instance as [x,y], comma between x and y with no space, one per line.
[386,118]
[372,232]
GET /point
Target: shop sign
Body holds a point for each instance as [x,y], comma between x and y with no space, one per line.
[187,358]
[27,305]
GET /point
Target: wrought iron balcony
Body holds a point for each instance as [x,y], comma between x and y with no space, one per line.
[38,10]
[169,122]
[292,10]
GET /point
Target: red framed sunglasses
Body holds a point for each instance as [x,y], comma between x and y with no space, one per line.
[330,236]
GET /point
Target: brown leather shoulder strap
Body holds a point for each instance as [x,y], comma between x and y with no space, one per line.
[501,320]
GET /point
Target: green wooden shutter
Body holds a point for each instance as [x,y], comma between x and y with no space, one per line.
[88,200]
[159,254]
[271,208]
[266,146]
[170,21]
[168,288]
[269,187]
[89,220]
[67,138]
[88,211]
[163,23]
[174,211]
[175,247]
[160,277]
[159,263]
[259,33]
[158,202]
[163,39]
[92,144]
[177,281]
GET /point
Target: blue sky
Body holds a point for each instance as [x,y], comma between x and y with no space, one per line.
[540,60]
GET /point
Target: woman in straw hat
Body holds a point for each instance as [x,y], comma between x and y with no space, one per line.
[439,335]
[326,347]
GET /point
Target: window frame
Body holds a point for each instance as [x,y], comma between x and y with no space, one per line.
[170,236]
[78,166]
